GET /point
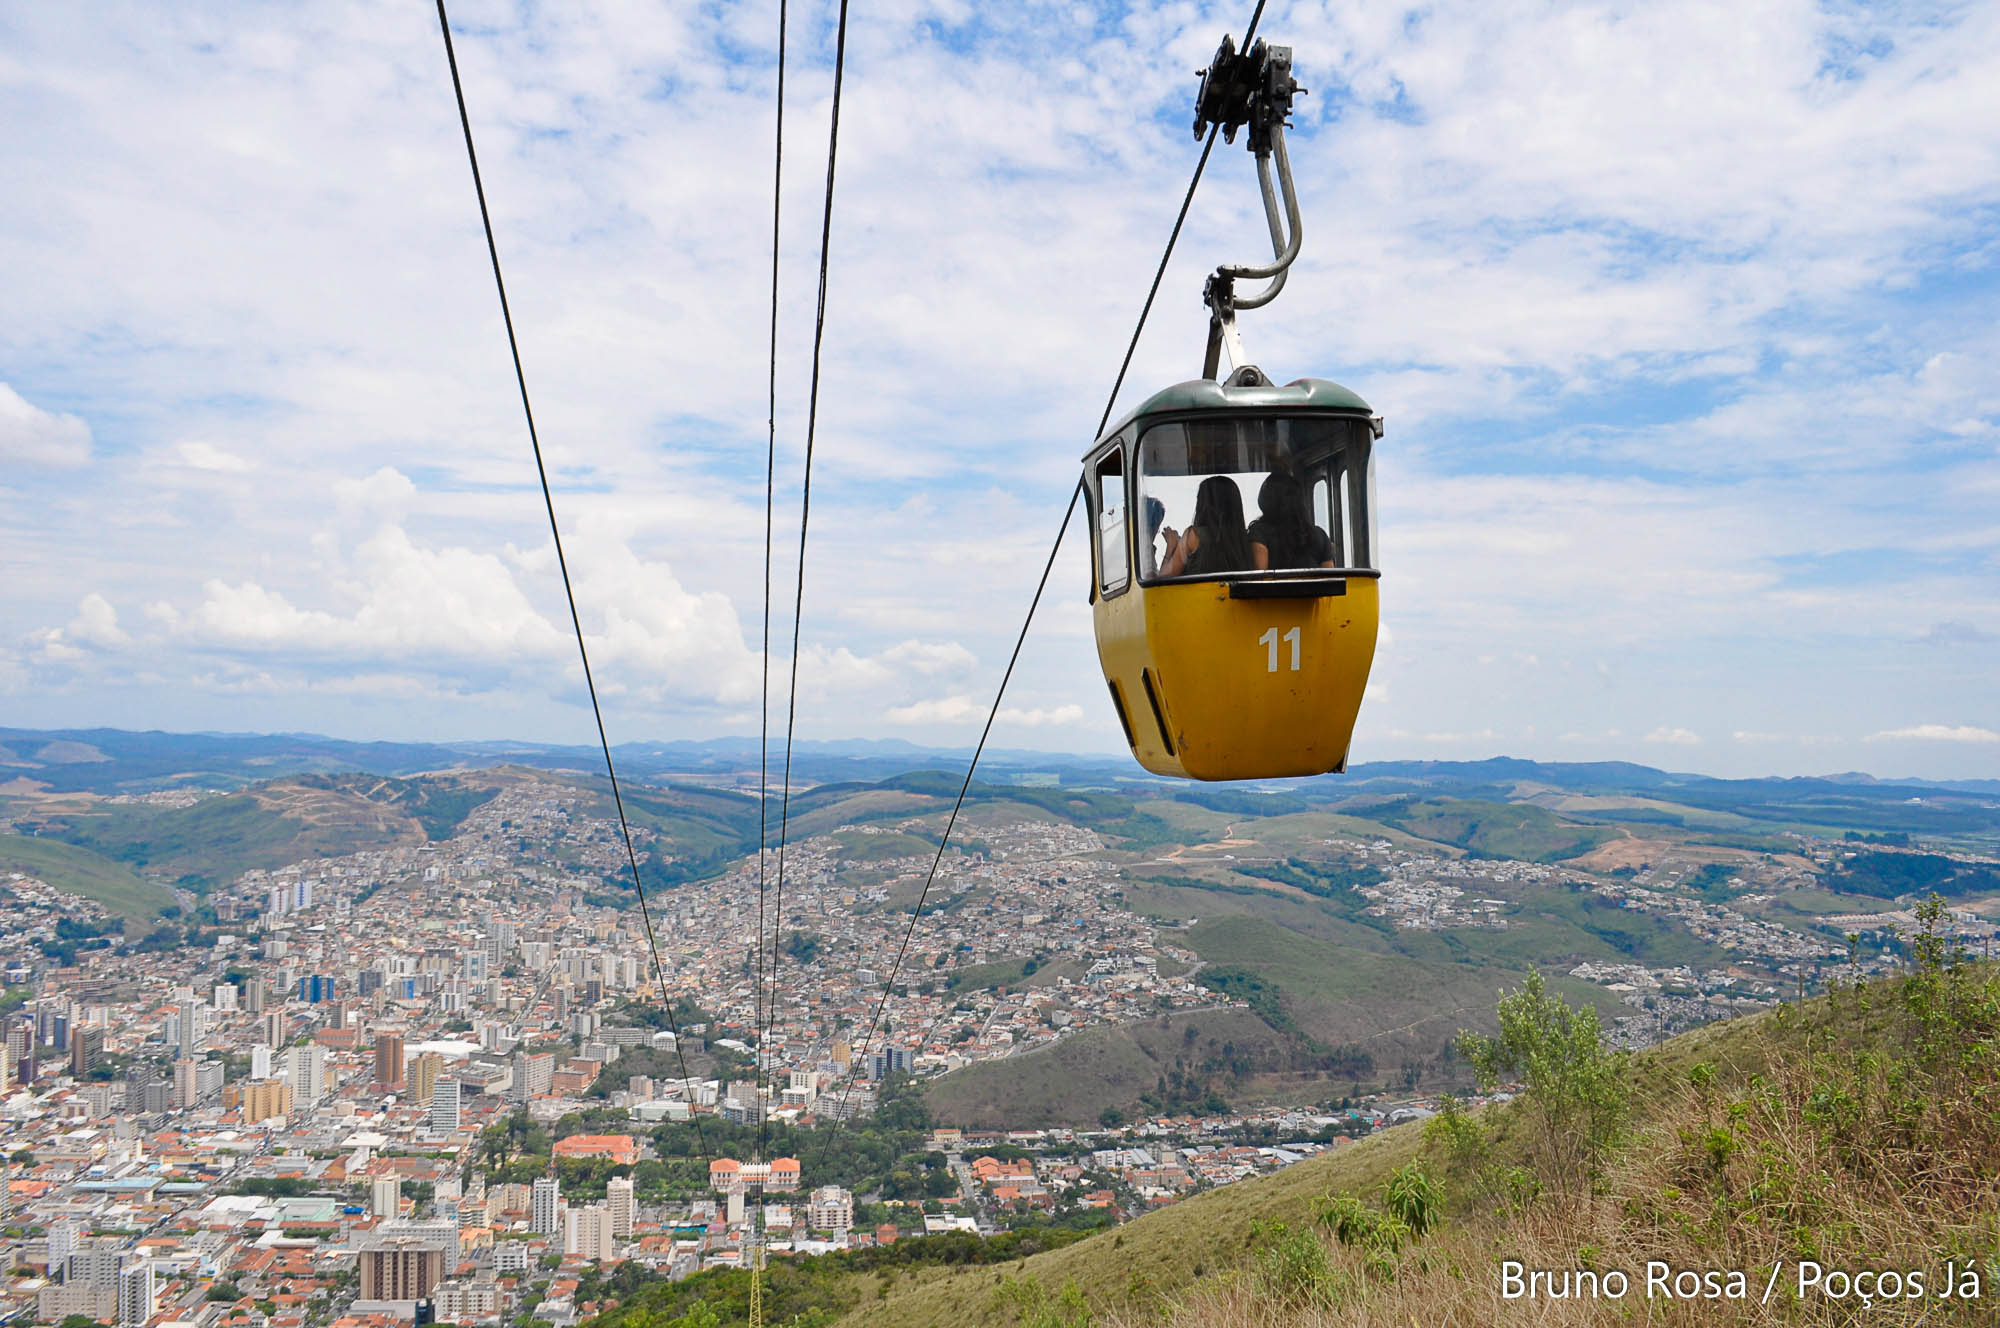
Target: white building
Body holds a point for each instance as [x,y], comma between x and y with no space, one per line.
[306,1068]
[444,1104]
[588,1234]
[623,1204]
[542,1206]
[135,1294]
[832,1209]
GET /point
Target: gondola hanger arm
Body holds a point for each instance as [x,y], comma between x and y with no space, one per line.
[1253,88]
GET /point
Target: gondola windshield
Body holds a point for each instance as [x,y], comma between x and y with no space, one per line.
[1307,474]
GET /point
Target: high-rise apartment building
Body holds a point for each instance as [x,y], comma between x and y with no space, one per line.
[832,1208]
[65,1235]
[621,1200]
[401,1268]
[385,1196]
[20,1040]
[588,1233]
[533,1076]
[184,1091]
[388,1058]
[306,1068]
[94,1263]
[888,1061]
[445,1104]
[423,1071]
[86,1051]
[542,1201]
[264,1099]
[135,1294]
[193,1029]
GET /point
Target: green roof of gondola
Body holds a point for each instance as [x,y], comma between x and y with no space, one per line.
[1200,394]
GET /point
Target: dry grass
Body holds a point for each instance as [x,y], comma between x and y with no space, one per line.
[1862,1133]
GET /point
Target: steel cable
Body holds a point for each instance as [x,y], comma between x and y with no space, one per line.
[569,594]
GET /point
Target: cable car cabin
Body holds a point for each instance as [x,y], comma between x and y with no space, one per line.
[1235,579]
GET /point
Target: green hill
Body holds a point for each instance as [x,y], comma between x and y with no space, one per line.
[80,871]
[1854,1134]
[217,839]
[1495,829]
[1111,1066]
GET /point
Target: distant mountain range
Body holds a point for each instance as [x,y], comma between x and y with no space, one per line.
[119,761]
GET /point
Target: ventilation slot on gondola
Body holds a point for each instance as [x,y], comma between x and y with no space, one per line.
[1159,712]
[1124,720]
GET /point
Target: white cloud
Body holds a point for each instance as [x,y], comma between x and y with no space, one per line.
[96,623]
[938,710]
[95,626]
[411,600]
[1036,717]
[1483,735]
[930,658]
[1936,733]
[30,436]
[1951,632]
[386,492]
[1674,737]
[207,456]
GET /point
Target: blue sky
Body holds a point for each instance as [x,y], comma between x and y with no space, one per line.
[1681,315]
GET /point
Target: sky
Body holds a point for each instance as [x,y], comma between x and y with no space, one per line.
[1682,317]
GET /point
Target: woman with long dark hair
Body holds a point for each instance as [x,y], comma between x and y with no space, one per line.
[1215,539]
[1284,535]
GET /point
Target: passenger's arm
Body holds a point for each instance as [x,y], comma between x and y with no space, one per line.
[1183,550]
[1260,557]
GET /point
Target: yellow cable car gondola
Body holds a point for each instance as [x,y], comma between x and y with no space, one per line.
[1234,648]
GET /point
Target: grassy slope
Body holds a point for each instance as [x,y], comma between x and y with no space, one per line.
[79,871]
[1076,1079]
[1191,1265]
[216,840]
[1160,1254]
[1497,829]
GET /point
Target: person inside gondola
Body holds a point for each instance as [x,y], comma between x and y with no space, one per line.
[1284,535]
[1156,515]
[1214,541]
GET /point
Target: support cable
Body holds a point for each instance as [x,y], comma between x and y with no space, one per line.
[805,516]
[770,489]
[555,532]
[1118,383]
[964,786]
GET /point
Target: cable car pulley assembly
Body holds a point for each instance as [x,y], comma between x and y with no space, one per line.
[1254,88]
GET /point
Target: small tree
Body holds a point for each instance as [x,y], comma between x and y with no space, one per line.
[1573,1091]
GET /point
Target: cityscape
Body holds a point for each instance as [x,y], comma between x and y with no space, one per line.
[436,1079]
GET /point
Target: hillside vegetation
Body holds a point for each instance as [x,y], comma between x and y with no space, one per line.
[80,871]
[1860,1133]
[1797,1150]
[218,839]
